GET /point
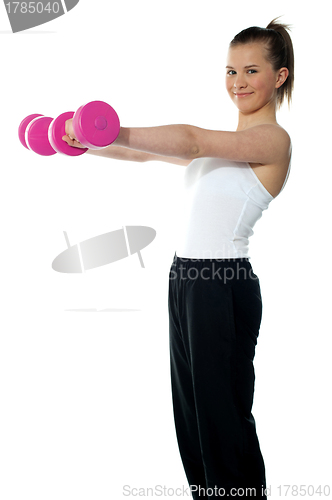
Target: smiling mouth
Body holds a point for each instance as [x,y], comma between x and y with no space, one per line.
[245,94]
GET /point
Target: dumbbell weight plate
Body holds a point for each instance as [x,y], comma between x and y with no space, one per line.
[22,128]
[55,133]
[96,124]
[36,136]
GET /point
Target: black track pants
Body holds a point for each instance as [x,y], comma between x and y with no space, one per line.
[215,311]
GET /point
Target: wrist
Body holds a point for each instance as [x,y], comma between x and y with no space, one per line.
[123,138]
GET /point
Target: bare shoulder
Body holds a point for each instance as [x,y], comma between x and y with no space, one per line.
[271,131]
[274,140]
[273,174]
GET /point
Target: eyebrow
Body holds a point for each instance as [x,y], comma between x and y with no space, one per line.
[246,67]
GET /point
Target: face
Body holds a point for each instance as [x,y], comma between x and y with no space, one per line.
[251,81]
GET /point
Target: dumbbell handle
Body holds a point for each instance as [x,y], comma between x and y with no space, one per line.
[56,131]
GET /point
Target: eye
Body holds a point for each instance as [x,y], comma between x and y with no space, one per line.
[231,72]
[253,70]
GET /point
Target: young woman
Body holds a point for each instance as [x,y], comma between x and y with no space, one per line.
[215,302]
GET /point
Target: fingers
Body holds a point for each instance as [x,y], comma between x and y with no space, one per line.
[70,138]
[69,128]
[72,141]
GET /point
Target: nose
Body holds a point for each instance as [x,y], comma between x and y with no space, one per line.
[239,81]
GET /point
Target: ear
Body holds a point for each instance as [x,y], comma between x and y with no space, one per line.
[281,77]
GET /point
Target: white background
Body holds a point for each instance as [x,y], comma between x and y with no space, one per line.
[85,396]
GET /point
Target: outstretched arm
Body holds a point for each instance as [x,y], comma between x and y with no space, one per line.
[265,144]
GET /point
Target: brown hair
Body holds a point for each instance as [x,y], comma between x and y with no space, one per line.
[280,51]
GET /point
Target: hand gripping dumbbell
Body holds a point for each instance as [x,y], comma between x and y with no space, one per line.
[96,125]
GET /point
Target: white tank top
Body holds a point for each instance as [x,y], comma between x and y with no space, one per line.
[222,201]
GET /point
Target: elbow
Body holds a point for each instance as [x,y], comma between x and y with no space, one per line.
[194,150]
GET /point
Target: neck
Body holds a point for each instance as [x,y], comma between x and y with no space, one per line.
[267,114]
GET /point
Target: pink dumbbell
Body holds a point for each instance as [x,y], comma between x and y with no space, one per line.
[96,125]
